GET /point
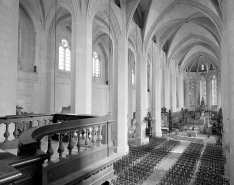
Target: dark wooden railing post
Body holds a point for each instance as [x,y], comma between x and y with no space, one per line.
[60,148]
[93,136]
[71,144]
[78,141]
[86,138]
[6,134]
[50,150]
[16,132]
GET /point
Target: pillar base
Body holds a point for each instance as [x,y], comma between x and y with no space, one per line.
[157,133]
[121,150]
[140,140]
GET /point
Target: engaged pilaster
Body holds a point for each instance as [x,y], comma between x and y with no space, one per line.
[81,59]
[9,13]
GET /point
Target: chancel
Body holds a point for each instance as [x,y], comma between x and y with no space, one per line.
[116,92]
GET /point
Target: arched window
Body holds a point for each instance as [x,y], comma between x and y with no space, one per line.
[214,90]
[191,91]
[96,65]
[133,78]
[203,89]
[202,67]
[64,56]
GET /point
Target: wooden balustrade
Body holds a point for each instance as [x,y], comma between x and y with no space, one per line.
[21,123]
[85,146]
[88,141]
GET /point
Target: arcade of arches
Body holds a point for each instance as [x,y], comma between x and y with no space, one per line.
[120,58]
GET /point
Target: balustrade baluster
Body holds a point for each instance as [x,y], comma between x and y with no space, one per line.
[45,120]
[6,134]
[89,134]
[78,141]
[82,133]
[99,135]
[38,122]
[60,148]
[50,150]
[86,138]
[16,132]
[93,136]
[71,144]
[30,125]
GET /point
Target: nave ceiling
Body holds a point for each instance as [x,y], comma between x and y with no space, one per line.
[184,29]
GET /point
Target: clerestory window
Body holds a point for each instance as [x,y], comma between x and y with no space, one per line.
[64,55]
[96,65]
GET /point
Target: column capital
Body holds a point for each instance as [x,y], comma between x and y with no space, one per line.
[81,8]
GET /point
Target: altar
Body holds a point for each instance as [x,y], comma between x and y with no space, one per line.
[206,119]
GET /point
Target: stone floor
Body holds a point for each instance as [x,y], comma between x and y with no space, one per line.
[160,172]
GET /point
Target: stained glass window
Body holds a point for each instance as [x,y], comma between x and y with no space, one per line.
[96,65]
[202,67]
[214,90]
[192,91]
[64,56]
[203,89]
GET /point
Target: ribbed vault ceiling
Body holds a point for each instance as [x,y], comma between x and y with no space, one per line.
[186,30]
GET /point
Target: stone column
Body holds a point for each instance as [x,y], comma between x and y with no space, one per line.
[45,71]
[9,19]
[120,105]
[219,91]
[167,87]
[227,67]
[181,92]
[156,94]
[197,90]
[173,92]
[163,88]
[141,96]
[129,93]
[81,64]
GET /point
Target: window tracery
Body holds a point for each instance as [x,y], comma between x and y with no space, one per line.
[214,90]
[192,91]
[96,65]
[64,55]
[203,89]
